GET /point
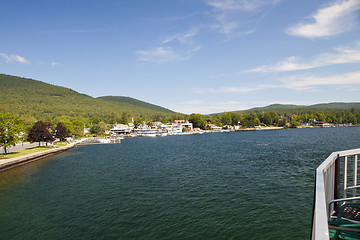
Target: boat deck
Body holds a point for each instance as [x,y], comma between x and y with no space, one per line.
[336,213]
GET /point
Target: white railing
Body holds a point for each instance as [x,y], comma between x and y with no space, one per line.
[330,191]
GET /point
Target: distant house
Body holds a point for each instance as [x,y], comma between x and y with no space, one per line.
[216,128]
[322,124]
[120,129]
[179,121]
[156,124]
[86,130]
[187,125]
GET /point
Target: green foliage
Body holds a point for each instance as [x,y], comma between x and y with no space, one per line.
[10,127]
[41,101]
[124,118]
[236,118]
[136,102]
[197,121]
[251,120]
[320,116]
[216,119]
[98,129]
[138,122]
[226,119]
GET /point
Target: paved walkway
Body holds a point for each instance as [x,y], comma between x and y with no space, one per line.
[12,162]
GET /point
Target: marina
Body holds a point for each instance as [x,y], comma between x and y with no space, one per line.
[101,140]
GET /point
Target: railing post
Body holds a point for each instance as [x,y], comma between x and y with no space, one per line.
[337,183]
[345,175]
[355,174]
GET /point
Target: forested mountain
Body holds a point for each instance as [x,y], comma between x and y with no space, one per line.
[136,102]
[290,109]
[35,99]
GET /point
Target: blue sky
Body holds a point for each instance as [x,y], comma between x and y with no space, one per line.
[192,56]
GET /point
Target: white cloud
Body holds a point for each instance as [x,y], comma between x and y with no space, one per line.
[228,13]
[181,37]
[14,58]
[308,82]
[239,5]
[165,54]
[296,82]
[53,64]
[341,55]
[328,21]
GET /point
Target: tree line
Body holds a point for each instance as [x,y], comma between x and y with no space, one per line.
[46,130]
[272,118]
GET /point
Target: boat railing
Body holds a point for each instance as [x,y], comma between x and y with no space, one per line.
[336,182]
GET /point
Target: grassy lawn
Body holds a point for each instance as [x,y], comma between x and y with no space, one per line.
[32,150]
[24,152]
[60,144]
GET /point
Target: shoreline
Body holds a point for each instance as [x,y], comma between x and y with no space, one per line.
[6,164]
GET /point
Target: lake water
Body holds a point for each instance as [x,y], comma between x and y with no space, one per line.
[241,185]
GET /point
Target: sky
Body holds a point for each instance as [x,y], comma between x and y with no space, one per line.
[191,56]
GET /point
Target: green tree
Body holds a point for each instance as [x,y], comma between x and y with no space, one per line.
[236,118]
[138,122]
[226,119]
[251,120]
[78,127]
[40,132]
[331,118]
[267,119]
[124,118]
[216,120]
[294,123]
[350,118]
[197,121]
[10,127]
[320,116]
[95,129]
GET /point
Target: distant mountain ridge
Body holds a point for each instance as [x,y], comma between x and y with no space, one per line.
[32,98]
[40,100]
[315,107]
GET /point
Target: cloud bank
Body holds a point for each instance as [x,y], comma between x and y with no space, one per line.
[341,55]
[329,21]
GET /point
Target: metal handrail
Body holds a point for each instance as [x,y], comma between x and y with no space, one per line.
[344,199]
[327,190]
[352,187]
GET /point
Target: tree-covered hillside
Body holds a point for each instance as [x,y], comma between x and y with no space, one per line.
[297,109]
[35,99]
[136,102]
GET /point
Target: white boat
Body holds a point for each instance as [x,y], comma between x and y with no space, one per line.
[104,140]
[146,133]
